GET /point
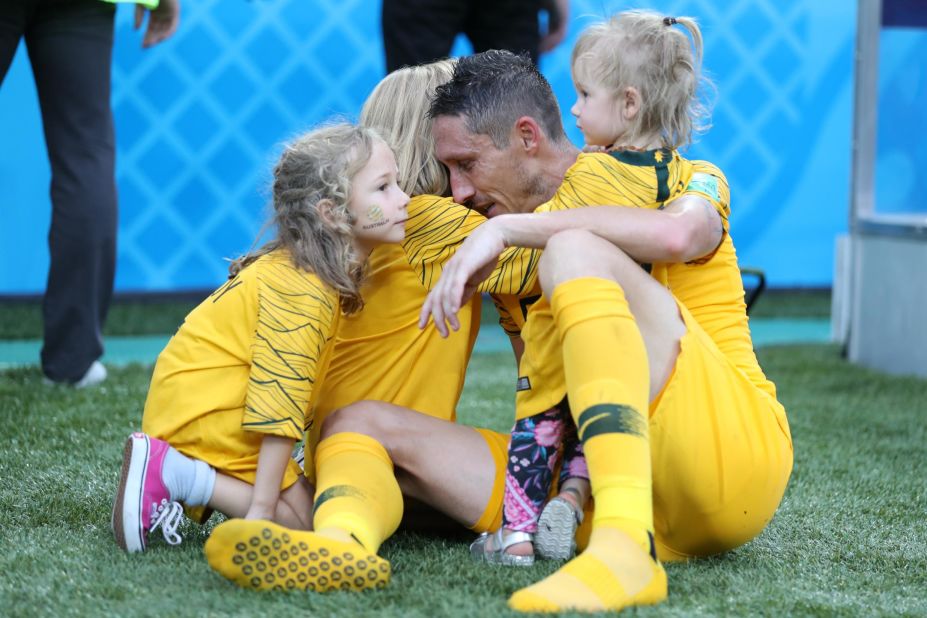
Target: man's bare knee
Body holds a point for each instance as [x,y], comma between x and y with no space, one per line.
[370,418]
[573,254]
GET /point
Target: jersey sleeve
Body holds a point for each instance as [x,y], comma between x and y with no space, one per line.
[437,227]
[296,318]
[710,183]
[595,179]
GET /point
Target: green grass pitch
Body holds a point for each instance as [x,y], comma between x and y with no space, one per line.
[850,538]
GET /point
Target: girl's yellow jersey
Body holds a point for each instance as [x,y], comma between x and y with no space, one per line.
[380,353]
[246,362]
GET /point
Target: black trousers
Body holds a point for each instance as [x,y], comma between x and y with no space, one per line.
[70,48]
[420,31]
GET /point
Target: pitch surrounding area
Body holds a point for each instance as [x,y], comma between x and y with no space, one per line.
[849,539]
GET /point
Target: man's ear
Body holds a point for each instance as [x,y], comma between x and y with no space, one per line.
[528,134]
[630,103]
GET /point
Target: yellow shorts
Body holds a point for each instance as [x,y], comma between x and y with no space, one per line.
[219,440]
[498,444]
[721,452]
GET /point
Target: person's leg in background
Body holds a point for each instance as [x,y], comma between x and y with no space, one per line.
[70,47]
[14,15]
[505,24]
[420,31]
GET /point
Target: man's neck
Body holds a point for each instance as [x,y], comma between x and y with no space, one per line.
[566,157]
[546,174]
[562,157]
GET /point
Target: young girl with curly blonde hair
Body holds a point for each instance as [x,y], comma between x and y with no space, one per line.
[235,387]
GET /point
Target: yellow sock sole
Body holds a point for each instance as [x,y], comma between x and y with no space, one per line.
[261,555]
[529,600]
[613,573]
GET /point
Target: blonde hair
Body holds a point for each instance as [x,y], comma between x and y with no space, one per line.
[311,190]
[398,109]
[642,49]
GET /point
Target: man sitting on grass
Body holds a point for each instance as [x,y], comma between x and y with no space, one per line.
[721,447]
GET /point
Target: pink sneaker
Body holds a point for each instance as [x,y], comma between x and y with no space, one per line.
[142,500]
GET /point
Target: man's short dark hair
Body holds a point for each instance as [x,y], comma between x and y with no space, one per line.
[493,89]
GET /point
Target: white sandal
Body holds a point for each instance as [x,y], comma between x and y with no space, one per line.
[556,536]
[481,553]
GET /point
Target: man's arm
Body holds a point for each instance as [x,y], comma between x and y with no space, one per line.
[687,229]
[558,16]
[437,227]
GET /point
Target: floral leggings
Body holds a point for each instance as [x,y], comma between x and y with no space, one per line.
[534,451]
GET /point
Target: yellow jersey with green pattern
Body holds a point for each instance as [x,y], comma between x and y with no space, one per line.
[711,288]
[645,179]
[260,343]
[438,226]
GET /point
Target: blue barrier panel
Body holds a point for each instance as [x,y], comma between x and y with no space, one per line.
[901,151]
[200,118]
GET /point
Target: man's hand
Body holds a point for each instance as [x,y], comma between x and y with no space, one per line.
[558,12]
[162,21]
[473,262]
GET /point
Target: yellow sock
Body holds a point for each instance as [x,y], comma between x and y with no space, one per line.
[358,505]
[607,378]
[611,574]
[262,555]
[356,491]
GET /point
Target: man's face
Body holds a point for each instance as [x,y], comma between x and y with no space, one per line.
[488,180]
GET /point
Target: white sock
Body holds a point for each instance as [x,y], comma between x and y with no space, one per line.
[190,481]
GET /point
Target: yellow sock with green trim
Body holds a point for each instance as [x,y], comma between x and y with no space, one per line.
[357,492]
[607,376]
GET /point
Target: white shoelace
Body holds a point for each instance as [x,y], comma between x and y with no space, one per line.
[168,515]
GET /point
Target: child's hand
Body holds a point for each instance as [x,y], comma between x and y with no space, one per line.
[272,462]
[260,512]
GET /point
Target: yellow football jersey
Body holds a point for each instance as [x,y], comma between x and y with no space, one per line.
[645,179]
[254,351]
[513,311]
[434,233]
[630,178]
[712,289]
[439,226]
[379,352]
